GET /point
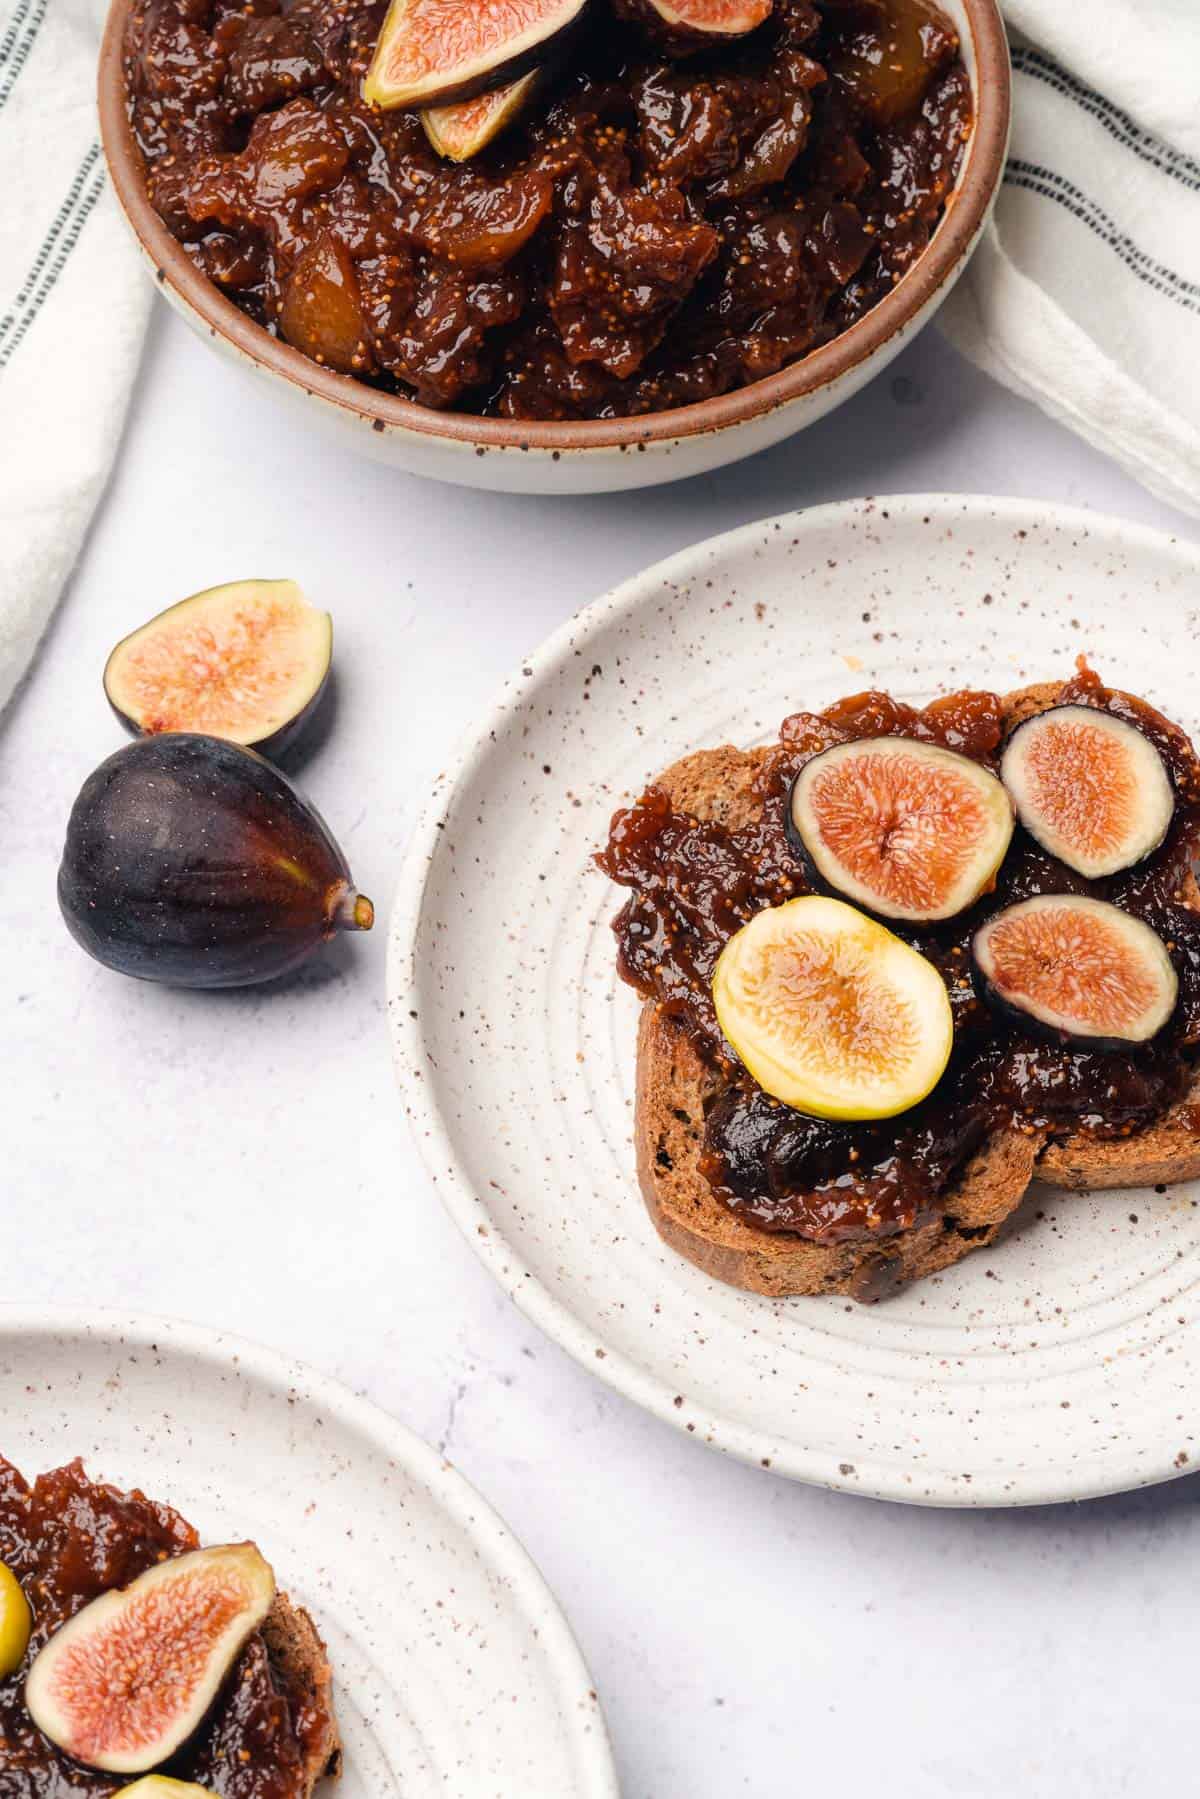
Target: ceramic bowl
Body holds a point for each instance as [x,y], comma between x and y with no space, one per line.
[584,457]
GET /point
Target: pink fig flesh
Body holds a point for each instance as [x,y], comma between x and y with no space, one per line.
[126,1681]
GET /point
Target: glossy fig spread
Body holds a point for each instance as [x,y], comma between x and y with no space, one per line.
[67,1540]
[656,229]
[695,884]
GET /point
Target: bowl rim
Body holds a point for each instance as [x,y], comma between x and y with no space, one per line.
[963,218]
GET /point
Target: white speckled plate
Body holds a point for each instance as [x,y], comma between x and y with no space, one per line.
[1064,1361]
[455,1673]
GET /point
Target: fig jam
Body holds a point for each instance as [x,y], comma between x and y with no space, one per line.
[694,884]
[658,228]
[68,1539]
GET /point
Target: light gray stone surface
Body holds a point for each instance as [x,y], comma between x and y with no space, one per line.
[241,1160]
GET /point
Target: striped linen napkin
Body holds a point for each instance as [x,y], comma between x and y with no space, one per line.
[73,308]
[1084,294]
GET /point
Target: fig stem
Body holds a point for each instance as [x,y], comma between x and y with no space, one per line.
[353,911]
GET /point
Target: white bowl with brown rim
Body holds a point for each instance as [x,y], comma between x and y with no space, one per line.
[592,456]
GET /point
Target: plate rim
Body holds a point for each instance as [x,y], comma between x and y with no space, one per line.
[500,1549]
[435,1145]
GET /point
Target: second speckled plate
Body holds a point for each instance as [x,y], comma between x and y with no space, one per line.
[1061,1363]
[454,1672]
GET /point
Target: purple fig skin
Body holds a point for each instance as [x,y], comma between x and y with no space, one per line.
[194,862]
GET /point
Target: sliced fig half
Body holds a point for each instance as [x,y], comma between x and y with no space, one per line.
[248,662]
[1077,967]
[433,52]
[1089,787]
[462,131]
[908,829]
[831,1013]
[127,1680]
[693,19]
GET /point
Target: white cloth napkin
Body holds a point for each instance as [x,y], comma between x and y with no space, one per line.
[1084,294]
[73,307]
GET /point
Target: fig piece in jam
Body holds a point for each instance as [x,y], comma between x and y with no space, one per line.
[462,131]
[430,54]
[688,25]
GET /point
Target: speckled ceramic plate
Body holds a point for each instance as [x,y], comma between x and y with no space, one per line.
[455,1672]
[1064,1361]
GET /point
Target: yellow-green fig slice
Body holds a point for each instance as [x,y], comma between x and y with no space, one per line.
[248,662]
[124,1683]
[1073,967]
[434,52]
[16,1622]
[162,1786]
[462,131]
[831,1013]
[908,829]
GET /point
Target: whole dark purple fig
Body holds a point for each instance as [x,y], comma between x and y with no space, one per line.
[193,861]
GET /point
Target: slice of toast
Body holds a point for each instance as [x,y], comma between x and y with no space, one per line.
[676,1088]
[299,1659]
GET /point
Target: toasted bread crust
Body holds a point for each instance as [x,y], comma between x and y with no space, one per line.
[298,1656]
[675,1088]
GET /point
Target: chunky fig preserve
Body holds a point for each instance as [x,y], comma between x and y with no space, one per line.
[694,884]
[68,1539]
[660,223]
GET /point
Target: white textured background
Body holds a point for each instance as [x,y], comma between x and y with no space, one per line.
[241,1160]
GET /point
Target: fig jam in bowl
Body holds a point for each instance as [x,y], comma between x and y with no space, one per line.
[678,242]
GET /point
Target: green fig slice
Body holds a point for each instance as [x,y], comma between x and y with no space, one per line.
[433,52]
[161,1786]
[127,1680]
[194,862]
[462,131]
[248,661]
[1090,788]
[910,830]
[831,1013]
[1077,968]
[16,1622]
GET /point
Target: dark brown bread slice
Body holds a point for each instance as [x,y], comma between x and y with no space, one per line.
[675,1087]
[299,1659]
[1164,1152]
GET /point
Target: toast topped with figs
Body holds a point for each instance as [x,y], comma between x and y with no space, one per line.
[899,964]
[133,1660]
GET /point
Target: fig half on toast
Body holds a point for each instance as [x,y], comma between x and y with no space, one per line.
[908,829]
[1089,787]
[1075,967]
[127,1680]
[162,1786]
[831,1013]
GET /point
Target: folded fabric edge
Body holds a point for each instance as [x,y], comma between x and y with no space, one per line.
[1005,324]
